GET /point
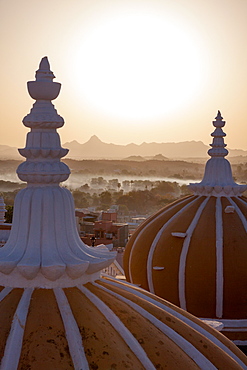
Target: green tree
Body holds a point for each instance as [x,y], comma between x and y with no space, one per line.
[105,198]
[166,187]
[81,199]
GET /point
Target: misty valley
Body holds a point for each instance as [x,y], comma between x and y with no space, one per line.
[138,186]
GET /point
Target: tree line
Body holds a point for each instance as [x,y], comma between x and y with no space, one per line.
[132,197]
[143,197]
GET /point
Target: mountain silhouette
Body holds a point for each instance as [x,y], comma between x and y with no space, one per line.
[9,152]
[94,148]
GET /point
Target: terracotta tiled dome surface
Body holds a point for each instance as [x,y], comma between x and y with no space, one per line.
[193,252]
[56,311]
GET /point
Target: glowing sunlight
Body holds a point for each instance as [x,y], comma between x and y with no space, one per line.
[138,66]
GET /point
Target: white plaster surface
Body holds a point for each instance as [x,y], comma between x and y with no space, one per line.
[13,346]
[72,331]
[186,346]
[120,328]
[184,252]
[219,259]
[155,241]
[187,320]
[44,238]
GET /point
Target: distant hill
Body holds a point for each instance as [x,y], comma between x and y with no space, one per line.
[160,157]
[9,152]
[138,158]
[94,148]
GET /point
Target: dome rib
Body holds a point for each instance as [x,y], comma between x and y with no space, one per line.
[184,252]
[120,327]
[196,257]
[242,203]
[157,238]
[239,212]
[142,229]
[59,313]
[177,312]
[182,343]
[15,337]
[219,259]
[178,327]
[4,292]
[71,330]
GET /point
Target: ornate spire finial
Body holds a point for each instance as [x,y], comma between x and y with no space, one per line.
[219,115]
[40,89]
[44,248]
[44,73]
[218,145]
[218,180]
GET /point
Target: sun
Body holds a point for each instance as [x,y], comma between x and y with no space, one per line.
[137,66]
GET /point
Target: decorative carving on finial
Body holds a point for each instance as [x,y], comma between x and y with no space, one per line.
[40,89]
[43,148]
[218,180]
[44,248]
[218,145]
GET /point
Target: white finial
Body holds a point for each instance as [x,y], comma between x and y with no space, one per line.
[40,89]
[44,73]
[218,180]
[218,145]
[44,248]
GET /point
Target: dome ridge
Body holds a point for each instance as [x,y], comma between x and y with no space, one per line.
[170,308]
[186,340]
[133,240]
[182,343]
[57,311]
[193,253]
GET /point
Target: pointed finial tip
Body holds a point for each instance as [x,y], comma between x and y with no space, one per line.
[44,64]
[219,116]
[44,72]
[38,89]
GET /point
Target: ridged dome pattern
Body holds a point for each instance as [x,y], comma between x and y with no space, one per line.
[56,311]
[105,325]
[193,252]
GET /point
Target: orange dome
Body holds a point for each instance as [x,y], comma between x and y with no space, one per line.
[193,252]
[56,311]
[106,325]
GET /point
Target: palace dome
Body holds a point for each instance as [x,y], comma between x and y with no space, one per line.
[106,324]
[193,251]
[56,310]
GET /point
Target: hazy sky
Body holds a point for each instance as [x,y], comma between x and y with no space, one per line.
[131,70]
